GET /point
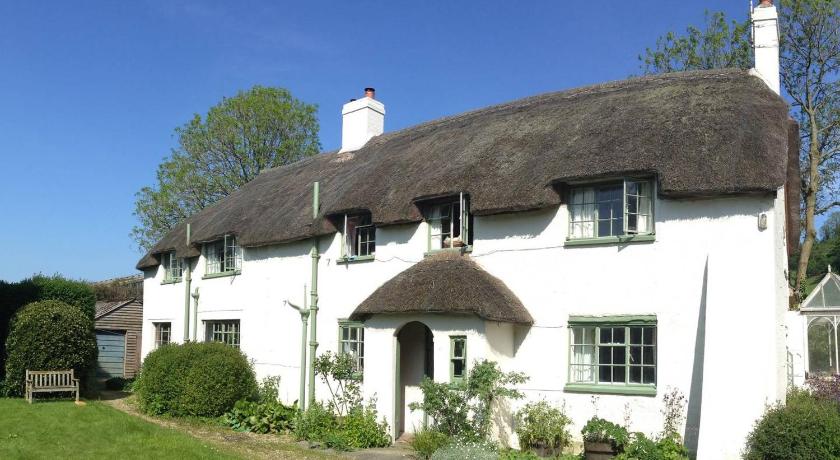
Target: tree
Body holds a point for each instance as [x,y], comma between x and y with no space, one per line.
[721,44]
[239,137]
[810,61]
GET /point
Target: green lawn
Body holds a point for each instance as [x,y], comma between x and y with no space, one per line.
[59,429]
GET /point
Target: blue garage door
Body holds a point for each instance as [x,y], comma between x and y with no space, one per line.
[111,361]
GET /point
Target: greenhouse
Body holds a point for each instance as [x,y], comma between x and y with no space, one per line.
[822,315]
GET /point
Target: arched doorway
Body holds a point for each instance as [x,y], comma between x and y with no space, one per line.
[415,360]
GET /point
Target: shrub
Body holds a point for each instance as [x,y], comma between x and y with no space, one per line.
[807,427]
[825,387]
[363,430]
[315,423]
[640,447]
[339,374]
[49,335]
[14,296]
[427,441]
[463,409]
[261,417]
[466,450]
[194,379]
[541,426]
[269,389]
[600,430]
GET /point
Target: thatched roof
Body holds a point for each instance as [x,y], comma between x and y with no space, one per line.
[445,283]
[702,133]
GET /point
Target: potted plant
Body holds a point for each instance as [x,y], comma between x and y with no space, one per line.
[542,429]
[603,439]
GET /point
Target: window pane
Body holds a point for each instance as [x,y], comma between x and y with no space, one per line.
[649,355]
[618,335]
[635,374]
[619,375]
[649,375]
[619,355]
[635,355]
[605,355]
[821,347]
[457,368]
[635,335]
[606,335]
[649,336]
[604,373]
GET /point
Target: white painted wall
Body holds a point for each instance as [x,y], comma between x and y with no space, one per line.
[712,247]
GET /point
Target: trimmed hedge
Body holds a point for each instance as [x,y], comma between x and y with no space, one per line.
[194,379]
[49,335]
[807,427]
[13,296]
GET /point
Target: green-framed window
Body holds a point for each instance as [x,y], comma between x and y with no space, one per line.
[449,223]
[223,256]
[351,340]
[613,352]
[359,236]
[163,334]
[457,357]
[611,209]
[224,331]
[172,268]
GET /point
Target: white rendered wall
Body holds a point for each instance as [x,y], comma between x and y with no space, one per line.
[704,249]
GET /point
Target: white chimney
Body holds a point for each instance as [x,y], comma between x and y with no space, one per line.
[361,120]
[765,35]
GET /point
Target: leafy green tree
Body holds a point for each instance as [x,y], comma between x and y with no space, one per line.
[810,61]
[721,44]
[239,137]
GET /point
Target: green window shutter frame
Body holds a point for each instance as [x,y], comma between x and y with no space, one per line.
[453,341]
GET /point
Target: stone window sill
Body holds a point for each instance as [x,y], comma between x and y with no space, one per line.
[221,275]
[609,240]
[463,249]
[355,259]
[176,281]
[629,389]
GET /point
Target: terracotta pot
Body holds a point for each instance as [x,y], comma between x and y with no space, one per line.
[542,450]
[598,450]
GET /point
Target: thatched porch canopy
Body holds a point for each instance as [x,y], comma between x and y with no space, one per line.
[446,283]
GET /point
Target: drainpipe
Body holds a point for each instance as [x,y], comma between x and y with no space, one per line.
[313,308]
[195,315]
[187,283]
[304,319]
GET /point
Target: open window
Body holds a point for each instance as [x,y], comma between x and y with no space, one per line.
[223,256]
[359,236]
[172,268]
[611,209]
[450,223]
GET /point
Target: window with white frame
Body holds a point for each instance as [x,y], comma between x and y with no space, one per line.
[223,256]
[223,331]
[614,352]
[351,340]
[450,223]
[172,268]
[163,334]
[611,209]
[359,236]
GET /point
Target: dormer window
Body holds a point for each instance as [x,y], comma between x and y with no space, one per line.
[449,223]
[224,257]
[172,268]
[611,209]
[359,236]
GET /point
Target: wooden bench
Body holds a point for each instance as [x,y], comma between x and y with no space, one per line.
[50,381]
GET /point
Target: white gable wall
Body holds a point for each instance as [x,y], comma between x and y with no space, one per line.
[720,238]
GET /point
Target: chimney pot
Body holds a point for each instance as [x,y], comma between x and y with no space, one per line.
[370,92]
[765,3]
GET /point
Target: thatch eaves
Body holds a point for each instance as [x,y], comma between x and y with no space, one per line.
[702,134]
[445,283]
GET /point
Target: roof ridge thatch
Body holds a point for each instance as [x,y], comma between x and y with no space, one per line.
[701,133]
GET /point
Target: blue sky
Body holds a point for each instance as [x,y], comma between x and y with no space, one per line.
[90,92]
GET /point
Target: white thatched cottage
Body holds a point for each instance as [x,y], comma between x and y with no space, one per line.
[614,241]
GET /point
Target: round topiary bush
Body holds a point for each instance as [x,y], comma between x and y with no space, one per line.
[196,379]
[806,427]
[49,335]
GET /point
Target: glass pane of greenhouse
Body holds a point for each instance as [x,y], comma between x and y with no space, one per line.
[821,347]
